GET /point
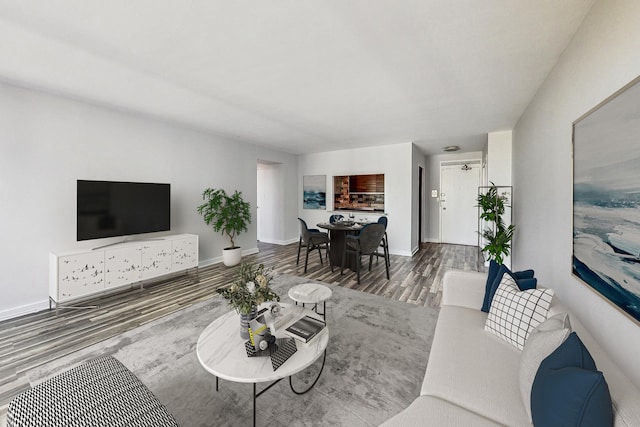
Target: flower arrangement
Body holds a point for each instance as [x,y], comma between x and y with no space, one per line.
[250,288]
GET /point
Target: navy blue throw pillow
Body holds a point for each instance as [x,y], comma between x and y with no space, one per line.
[518,276]
[526,284]
[525,274]
[491,277]
[568,390]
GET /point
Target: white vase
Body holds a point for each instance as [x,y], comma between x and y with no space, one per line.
[231,256]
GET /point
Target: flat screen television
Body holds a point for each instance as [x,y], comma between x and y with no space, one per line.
[112,208]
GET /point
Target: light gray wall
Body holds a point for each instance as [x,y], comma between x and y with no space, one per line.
[602,58]
[48,142]
[394,161]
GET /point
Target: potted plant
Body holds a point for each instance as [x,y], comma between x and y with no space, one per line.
[249,290]
[497,236]
[228,215]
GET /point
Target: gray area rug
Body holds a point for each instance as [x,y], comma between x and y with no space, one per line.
[376,359]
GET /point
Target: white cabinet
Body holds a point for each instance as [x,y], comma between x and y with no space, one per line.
[73,275]
[156,259]
[80,274]
[185,253]
[123,266]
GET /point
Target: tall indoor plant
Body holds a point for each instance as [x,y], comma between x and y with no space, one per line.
[497,236]
[229,215]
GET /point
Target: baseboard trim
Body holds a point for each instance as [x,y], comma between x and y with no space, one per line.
[280,242]
[24,309]
[218,260]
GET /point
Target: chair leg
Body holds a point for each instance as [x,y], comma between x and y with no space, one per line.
[388,258]
[299,247]
[320,253]
[329,258]
[387,263]
[306,259]
[358,262]
[386,247]
[344,257]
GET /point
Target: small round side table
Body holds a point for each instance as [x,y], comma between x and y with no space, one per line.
[311,293]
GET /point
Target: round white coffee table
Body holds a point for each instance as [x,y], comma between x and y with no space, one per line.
[221,352]
[311,293]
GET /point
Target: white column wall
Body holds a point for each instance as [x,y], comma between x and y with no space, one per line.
[601,58]
[499,157]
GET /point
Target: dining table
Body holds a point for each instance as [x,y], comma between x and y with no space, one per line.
[338,232]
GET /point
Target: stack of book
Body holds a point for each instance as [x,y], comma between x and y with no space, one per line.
[305,329]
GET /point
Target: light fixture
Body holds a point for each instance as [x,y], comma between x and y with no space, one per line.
[451,148]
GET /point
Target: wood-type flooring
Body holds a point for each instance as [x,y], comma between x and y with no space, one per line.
[35,339]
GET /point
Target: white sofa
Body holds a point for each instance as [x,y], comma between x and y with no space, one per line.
[472,375]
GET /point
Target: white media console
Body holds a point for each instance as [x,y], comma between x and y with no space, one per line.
[79,274]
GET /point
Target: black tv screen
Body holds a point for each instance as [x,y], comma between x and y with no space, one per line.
[111,208]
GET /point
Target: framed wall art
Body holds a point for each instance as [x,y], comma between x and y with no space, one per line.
[314,192]
[606,199]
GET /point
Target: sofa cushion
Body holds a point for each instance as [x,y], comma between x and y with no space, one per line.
[543,340]
[431,411]
[568,390]
[463,288]
[524,280]
[474,369]
[514,313]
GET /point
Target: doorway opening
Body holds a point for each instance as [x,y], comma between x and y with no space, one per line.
[269,201]
[420,201]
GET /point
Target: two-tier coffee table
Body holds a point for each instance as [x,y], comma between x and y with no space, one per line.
[221,352]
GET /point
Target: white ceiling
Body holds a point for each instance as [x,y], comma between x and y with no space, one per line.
[298,76]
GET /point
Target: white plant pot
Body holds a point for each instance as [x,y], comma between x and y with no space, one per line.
[231,256]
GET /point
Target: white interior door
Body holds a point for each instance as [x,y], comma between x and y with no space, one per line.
[459,183]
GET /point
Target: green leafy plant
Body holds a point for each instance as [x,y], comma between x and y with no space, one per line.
[228,215]
[250,288]
[498,236]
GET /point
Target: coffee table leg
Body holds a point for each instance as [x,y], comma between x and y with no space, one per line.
[216,383]
[254,404]
[324,357]
[324,309]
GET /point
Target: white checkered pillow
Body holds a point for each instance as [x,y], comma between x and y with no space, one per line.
[514,313]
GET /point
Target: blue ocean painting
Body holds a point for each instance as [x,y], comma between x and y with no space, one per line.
[606,201]
[314,192]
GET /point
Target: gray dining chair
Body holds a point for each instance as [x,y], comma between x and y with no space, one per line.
[384,243]
[335,218]
[312,239]
[366,242]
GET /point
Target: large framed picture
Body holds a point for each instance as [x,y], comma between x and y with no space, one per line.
[314,192]
[606,199]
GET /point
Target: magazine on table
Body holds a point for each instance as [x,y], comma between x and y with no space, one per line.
[305,329]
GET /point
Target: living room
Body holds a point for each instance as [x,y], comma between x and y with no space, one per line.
[55,131]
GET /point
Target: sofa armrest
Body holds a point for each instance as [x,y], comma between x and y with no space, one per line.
[463,288]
